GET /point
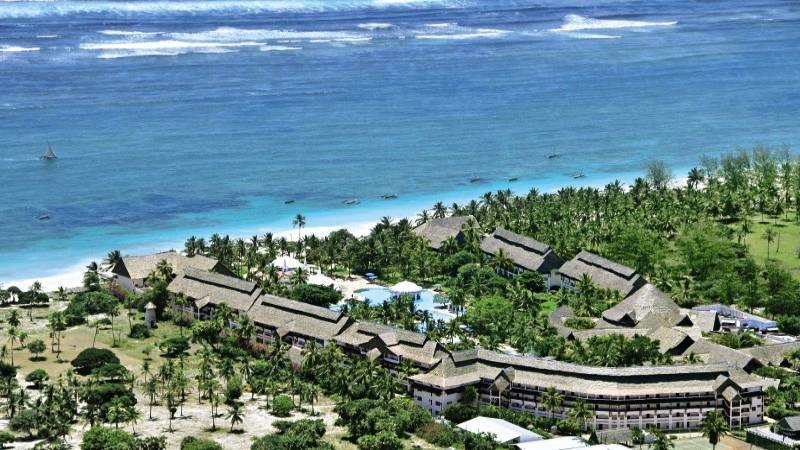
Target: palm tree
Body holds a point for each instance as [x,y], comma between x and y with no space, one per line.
[715,427]
[299,222]
[112,259]
[637,437]
[661,441]
[581,412]
[310,393]
[151,389]
[769,236]
[235,414]
[552,400]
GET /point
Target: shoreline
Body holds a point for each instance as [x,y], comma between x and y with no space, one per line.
[71,275]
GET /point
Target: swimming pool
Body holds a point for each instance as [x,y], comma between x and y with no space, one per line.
[425,301]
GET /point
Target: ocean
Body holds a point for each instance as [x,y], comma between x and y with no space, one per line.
[174,118]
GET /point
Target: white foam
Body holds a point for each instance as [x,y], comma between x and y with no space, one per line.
[372,26]
[129,33]
[278,48]
[229,34]
[464,33]
[124,49]
[46,36]
[574,22]
[15,49]
[441,25]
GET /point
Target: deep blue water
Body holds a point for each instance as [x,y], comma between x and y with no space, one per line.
[174,118]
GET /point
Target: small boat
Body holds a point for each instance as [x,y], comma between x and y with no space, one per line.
[389,196]
[49,155]
[352,201]
[513,179]
[288,202]
[579,175]
[44,217]
[475,180]
[554,155]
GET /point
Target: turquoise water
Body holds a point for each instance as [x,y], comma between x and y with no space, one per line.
[425,301]
[181,117]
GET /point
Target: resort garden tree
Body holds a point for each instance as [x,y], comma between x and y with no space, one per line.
[714,427]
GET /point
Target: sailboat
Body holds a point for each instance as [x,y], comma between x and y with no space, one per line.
[49,155]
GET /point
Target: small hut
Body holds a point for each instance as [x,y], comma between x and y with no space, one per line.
[406,288]
[150,315]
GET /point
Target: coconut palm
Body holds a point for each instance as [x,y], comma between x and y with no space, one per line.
[235,414]
[552,400]
[299,222]
[112,259]
[581,412]
[715,427]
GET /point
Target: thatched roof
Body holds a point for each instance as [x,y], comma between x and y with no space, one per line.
[603,272]
[774,354]
[140,267]
[469,367]
[648,307]
[407,344]
[436,231]
[287,316]
[212,288]
[526,253]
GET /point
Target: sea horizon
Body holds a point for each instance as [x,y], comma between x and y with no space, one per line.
[173,118]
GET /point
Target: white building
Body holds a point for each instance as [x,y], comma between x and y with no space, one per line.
[502,432]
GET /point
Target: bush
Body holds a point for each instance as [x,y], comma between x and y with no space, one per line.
[36,347]
[87,303]
[568,427]
[323,296]
[139,331]
[151,443]
[99,396]
[93,358]
[439,434]
[304,434]
[37,378]
[26,421]
[194,443]
[789,324]
[385,440]
[282,406]
[460,412]
[6,438]
[102,438]
[7,370]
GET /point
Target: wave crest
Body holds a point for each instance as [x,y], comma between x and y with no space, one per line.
[574,22]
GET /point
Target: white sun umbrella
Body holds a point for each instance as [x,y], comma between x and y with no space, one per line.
[287,263]
[405,287]
[322,280]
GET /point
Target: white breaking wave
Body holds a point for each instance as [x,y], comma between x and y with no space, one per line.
[372,26]
[112,50]
[452,31]
[15,49]
[229,34]
[37,8]
[278,48]
[574,22]
[129,33]
[47,36]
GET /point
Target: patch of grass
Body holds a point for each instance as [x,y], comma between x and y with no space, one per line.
[784,248]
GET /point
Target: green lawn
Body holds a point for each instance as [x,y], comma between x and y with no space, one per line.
[783,250]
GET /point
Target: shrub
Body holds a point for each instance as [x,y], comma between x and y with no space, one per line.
[282,406]
[151,443]
[439,434]
[6,438]
[7,370]
[385,440]
[568,427]
[460,412]
[323,296]
[789,324]
[304,434]
[37,378]
[93,358]
[102,438]
[139,331]
[36,347]
[194,443]
[26,421]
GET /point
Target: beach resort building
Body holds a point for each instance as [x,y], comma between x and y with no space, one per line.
[735,319]
[526,253]
[131,272]
[604,273]
[206,291]
[437,231]
[664,397]
[674,397]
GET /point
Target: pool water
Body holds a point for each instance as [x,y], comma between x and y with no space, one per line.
[425,301]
